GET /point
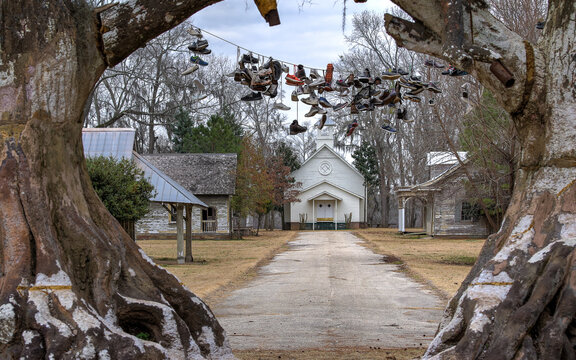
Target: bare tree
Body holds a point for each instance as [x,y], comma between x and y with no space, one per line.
[72,283]
[519,299]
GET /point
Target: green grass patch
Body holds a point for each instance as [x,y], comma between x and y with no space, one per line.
[458,260]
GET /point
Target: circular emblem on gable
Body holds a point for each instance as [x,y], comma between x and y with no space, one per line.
[325,168]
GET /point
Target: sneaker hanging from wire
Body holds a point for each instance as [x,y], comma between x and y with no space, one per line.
[389,128]
[352,127]
[252,97]
[190,70]
[296,128]
[281,106]
[197,60]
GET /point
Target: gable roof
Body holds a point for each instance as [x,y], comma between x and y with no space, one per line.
[202,174]
[340,157]
[434,184]
[118,144]
[167,190]
[108,142]
[331,184]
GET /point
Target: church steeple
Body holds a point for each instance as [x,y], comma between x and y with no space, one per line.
[326,135]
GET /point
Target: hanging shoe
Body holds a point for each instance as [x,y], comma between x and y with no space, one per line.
[285,68]
[249,58]
[389,128]
[190,70]
[199,86]
[296,129]
[252,97]
[329,73]
[300,73]
[352,127]
[400,71]
[350,80]
[389,75]
[314,74]
[281,106]
[400,113]
[365,77]
[432,87]
[340,106]
[293,80]
[412,98]
[321,111]
[318,82]
[194,31]
[204,52]
[311,100]
[353,109]
[294,96]
[321,122]
[260,81]
[434,63]
[272,91]
[324,102]
[313,111]
[198,45]
[417,91]
[196,60]
[431,102]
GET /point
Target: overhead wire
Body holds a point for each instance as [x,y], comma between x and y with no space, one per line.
[252,52]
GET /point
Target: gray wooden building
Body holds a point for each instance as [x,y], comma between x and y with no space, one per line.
[448,209]
[210,177]
[118,143]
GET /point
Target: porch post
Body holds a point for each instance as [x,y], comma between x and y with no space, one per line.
[401,226]
[180,233]
[313,217]
[336,214]
[189,257]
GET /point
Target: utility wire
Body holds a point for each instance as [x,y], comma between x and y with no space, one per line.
[252,52]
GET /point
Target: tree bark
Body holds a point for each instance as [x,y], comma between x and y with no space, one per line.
[72,283]
[519,300]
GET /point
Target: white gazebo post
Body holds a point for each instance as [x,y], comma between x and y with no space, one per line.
[180,233]
[401,226]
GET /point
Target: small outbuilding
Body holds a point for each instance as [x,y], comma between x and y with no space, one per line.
[333,195]
[211,178]
[448,209]
[169,194]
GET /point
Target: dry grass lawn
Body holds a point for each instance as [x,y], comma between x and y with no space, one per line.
[221,266]
[441,263]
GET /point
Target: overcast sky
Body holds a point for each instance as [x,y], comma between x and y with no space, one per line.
[311,35]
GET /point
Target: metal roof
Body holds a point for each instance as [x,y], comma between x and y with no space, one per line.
[167,190]
[118,143]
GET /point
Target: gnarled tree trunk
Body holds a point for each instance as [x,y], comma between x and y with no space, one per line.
[519,301]
[72,283]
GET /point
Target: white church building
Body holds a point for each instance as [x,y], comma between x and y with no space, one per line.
[333,195]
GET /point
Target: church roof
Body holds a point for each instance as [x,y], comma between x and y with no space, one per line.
[340,157]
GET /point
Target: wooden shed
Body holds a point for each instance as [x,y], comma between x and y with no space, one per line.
[448,210]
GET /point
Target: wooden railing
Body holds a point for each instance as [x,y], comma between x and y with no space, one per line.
[208,225]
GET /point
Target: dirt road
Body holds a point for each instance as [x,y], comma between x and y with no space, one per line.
[328,291]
